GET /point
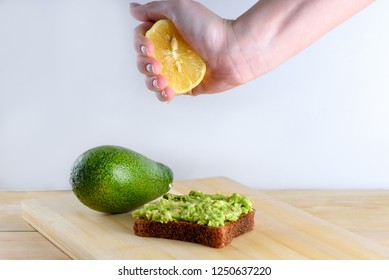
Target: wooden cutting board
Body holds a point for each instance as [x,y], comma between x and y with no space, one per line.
[281,231]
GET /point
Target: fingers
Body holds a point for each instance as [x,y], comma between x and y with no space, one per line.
[146,63]
[166,95]
[142,44]
[156,83]
[150,67]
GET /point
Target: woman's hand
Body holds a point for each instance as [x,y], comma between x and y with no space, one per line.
[208,34]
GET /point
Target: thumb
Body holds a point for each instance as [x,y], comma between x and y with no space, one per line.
[152,11]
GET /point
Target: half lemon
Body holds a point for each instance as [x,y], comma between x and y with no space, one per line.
[182,67]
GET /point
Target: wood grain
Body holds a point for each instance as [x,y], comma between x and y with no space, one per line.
[11,212]
[365,212]
[281,232]
[28,246]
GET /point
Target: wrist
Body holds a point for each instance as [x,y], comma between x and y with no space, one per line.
[250,49]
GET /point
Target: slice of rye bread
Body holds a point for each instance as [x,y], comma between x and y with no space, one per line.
[216,237]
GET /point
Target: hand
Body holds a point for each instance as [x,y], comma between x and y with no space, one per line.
[208,34]
[237,51]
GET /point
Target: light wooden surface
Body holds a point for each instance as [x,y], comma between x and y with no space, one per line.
[364,212]
[18,240]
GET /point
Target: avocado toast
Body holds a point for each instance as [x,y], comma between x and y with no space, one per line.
[211,220]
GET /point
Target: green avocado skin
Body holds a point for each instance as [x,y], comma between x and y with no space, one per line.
[114,179]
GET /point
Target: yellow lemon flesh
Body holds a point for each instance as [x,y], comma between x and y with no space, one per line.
[182,67]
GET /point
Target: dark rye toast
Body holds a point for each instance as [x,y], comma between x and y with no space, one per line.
[216,237]
[210,220]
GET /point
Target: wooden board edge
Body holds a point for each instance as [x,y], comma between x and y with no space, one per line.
[40,228]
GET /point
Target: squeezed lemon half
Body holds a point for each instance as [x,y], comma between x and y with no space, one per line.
[182,67]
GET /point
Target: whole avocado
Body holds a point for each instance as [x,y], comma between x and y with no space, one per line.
[114,179]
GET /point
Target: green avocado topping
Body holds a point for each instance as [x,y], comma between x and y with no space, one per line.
[196,207]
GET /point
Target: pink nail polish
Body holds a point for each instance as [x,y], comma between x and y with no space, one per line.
[150,68]
[163,94]
[155,84]
[143,50]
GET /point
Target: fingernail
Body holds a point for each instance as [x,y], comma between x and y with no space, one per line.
[163,94]
[143,50]
[133,5]
[155,84]
[150,68]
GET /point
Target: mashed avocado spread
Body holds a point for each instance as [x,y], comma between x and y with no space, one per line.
[196,207]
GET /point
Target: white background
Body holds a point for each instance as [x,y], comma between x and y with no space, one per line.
[68,82]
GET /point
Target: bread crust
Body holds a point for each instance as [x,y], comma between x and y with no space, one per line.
[216,237]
